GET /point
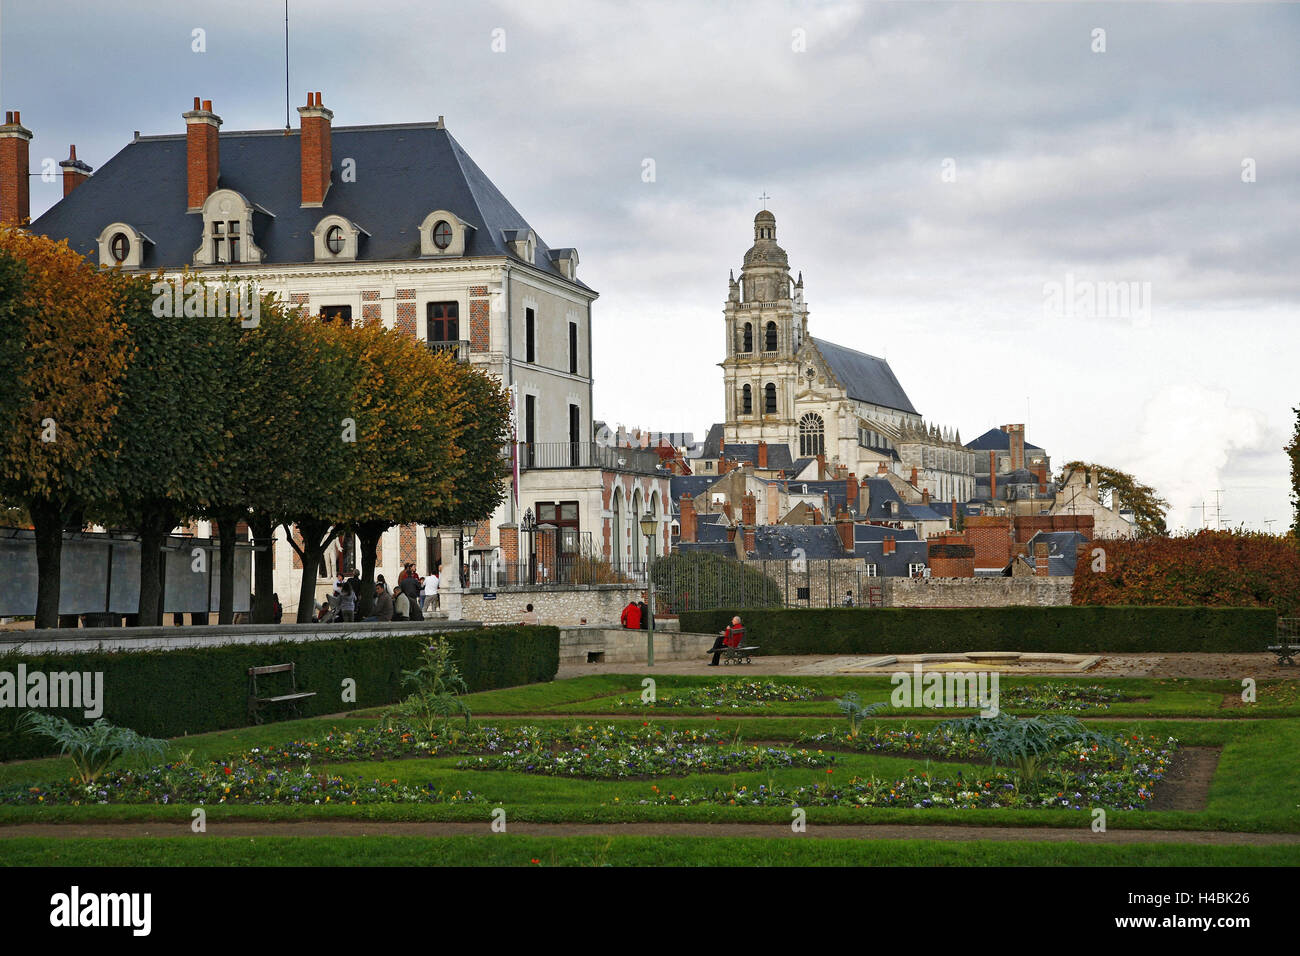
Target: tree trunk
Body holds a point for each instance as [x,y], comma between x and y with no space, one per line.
[368,533]
[155,523]
[47,519]
[316,536]
[263,574]
[226,526]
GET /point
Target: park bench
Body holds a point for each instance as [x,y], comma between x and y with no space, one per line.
[257,703]
[1288,635]
[736,655]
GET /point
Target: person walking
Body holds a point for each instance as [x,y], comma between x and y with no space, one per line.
[731,637]
[277,609]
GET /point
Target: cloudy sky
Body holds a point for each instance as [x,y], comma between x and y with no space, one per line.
[945,175]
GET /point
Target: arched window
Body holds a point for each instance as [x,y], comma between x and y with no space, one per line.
[618,557]
[637,542]
[769,343]
[748,345]
[769,399]
[746,401]
[812,436]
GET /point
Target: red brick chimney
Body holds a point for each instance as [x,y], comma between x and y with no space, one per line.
[15,184]
[686,520]
[316,155]
[844,525]
[749,510]
[1042,566]
[1017,442]
[888,547]
[762,454]
[749,538]
[75,172]
[821,466]
[851,489]
[722,466]
[731,533]
[202,153]
[726,510]
[925,497]
[882,468]
[913,476]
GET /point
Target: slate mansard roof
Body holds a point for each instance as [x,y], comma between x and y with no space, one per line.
[403,173]
[865,377]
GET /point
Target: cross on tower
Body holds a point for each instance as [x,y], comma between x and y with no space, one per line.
[764,198]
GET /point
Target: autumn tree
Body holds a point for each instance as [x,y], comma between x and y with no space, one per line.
[1293,452]
[1146,504]
[66,350]
[410,414]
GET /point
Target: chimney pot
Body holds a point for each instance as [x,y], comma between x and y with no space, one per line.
[207,105]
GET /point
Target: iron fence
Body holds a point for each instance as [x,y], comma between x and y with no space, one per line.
[582,454]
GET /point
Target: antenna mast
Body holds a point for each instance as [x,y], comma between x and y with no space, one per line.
[286,64]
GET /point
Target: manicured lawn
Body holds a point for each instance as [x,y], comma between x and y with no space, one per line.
[1256,788]
[508,850]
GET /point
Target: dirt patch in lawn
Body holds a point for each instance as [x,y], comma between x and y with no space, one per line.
[1186,784]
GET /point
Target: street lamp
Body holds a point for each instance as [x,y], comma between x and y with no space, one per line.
[529,527]
[467,530]
[649,526]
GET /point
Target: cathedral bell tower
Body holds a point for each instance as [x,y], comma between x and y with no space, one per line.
[766,323]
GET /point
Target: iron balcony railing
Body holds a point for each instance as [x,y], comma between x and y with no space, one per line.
[459,348]
[562,454]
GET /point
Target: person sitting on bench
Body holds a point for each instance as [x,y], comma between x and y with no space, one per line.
[731,637]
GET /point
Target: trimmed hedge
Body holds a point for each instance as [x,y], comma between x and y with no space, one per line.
[907,630]
[195,690]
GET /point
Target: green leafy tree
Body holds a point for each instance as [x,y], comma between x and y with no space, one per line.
[1147,505]
[65,351]
[171,427]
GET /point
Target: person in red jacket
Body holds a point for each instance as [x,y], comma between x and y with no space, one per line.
[631,616]
[731,637]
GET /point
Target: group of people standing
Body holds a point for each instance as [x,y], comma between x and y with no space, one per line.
[406,601]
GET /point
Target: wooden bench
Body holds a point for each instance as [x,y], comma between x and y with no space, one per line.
[1285,652]
[257,703]
[735,655]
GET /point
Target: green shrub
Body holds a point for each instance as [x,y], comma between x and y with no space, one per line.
[953,630]
[195,690]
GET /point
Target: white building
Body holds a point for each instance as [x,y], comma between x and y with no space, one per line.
[393,224]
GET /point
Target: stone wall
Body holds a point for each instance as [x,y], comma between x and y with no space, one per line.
[83,639]
[976,592]
[599,645]
[597,604]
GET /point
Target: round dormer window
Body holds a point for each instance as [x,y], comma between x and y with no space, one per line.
[119,247]
[334,240]
[442,234]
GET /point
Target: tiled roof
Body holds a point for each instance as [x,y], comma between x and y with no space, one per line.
[866,378]
[404,172]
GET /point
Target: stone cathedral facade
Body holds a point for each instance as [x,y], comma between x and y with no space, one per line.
[784,386]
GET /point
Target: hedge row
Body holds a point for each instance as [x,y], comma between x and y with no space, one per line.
[954,630]
[195,690]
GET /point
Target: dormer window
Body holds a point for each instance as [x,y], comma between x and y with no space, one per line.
[336,237]
[122,245]
[443,233]
[228,230]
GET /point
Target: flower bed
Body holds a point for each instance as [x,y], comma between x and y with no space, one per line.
[661,760]
[1072,781]
[1053,695]
[729,694]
